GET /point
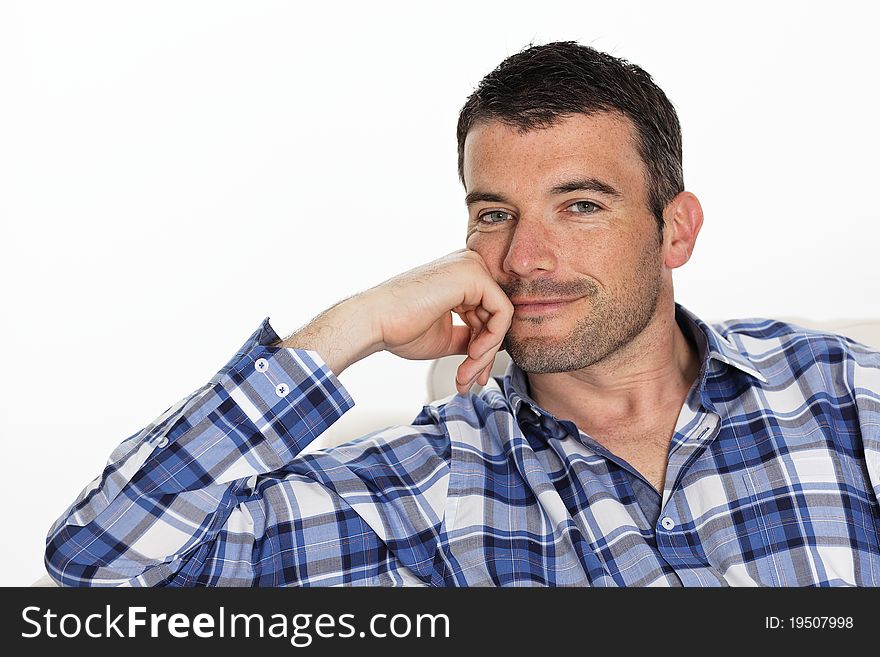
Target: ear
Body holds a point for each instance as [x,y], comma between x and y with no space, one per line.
[683,218]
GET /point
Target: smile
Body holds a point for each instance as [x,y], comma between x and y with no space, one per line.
[522,309]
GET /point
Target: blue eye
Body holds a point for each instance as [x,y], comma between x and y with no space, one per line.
[588,207]
[495,217]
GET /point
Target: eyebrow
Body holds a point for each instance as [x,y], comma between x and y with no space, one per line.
[587,185]
[488,197]
[577,185]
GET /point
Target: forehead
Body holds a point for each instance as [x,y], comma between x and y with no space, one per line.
[602,145]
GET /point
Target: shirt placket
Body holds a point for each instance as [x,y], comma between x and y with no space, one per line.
[687,444]
[676,539]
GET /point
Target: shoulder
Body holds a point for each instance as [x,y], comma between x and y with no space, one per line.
[757,336]
[785,350]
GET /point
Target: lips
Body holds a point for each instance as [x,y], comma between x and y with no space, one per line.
[540,306]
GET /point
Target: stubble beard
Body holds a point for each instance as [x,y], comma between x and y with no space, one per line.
[611,323]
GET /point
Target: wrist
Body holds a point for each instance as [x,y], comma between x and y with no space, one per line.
[342,335]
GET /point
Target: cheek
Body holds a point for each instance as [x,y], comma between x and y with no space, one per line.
[488,246]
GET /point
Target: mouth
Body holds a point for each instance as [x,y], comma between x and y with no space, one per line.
[540,307]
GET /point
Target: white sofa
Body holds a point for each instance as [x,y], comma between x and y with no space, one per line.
[441,383]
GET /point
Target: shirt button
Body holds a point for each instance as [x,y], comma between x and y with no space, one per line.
[667,522]
[282,389]
[261,365]
[162,443]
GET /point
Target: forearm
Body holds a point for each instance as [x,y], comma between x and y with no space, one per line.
[342,335]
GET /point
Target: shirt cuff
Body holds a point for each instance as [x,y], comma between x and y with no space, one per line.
[291,395]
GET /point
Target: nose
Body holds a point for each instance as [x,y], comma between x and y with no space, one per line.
[532,250]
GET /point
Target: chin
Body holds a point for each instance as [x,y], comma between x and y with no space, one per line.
[543,356]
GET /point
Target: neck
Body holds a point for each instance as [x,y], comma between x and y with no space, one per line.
[647,378]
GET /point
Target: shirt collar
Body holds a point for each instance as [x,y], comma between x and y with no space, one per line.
[717,346]
[515,385]
[710,344]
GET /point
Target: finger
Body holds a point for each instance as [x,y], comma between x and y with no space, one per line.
[477,318]
[473,320]
[466,375]
[485,344]
[486,372]
[494,328]
[473,370]
[483,379]
[464,381]
[482,314]
[462,385]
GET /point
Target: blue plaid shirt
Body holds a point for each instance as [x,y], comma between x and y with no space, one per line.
[773,478]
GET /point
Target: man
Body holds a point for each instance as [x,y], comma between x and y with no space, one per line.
[628,444]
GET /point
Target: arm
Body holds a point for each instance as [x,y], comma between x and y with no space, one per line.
[410,315]
[866,392]
[213,492]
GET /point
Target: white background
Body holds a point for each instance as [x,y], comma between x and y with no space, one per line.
[173,172]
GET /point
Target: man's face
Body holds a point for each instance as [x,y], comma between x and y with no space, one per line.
[561,213]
